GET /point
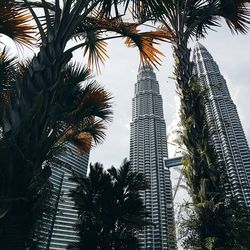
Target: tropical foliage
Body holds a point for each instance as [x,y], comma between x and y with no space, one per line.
[77,116]
[208,186]
[46,106]
[110,209]
[33,112]
[206,176]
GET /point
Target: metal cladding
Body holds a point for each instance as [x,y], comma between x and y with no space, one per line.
[226,132]
[148,148]
[59,230]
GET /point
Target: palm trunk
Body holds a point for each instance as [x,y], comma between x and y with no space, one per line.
[203,177]
[191,114]
[30,142]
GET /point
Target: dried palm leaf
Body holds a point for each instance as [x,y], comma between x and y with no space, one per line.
[84,137]
[15,22]
[145,41]
[96,49]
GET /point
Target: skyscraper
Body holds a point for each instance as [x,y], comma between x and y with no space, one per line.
[226,132]
[58,230]
[148,148]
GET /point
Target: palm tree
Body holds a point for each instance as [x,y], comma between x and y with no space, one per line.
[110,209]
[78,116]
[129,209]
[36,113]
[206,178]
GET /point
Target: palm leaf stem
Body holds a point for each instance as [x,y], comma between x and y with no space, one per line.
[80,45]
[57,16]
[48,20]
[74,20]
[41,31]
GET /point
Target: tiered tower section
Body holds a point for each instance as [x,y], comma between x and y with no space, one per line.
[148,148]
[226,132]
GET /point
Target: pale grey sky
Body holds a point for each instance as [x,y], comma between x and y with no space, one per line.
[120,72]
[232,54]
[118,75]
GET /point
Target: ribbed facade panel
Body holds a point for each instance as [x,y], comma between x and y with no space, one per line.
[226,132]
[59,230]
[148,148]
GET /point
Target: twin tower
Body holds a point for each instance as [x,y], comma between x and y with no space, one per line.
[148,148]
[148,145]
[148,152]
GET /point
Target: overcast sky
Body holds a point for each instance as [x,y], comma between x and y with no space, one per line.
[232,54]
[119,74]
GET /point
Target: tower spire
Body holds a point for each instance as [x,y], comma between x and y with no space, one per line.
[148,148]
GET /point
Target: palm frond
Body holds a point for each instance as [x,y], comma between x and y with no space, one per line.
[118,8]
[236,14]
[71,88]
[205,15]
[201,17]
[96,49]
[8,66]
[95,128]
[93,101]
[82,140]
[84,109]
[75,74]
[90,132]
[146,41]
[15,22]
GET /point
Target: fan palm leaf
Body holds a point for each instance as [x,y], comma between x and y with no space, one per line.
[206,15]
[236,13]
[110,207]
[93,101]
[90,100]
[144,41]
[82,108]
[96,49]
[90,32]
[89,133]
[15,22]
[85,108]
